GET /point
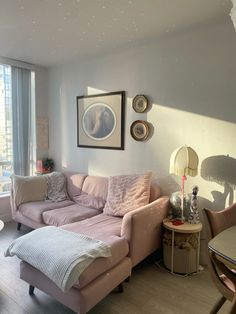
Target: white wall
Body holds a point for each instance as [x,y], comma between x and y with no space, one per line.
[190,81]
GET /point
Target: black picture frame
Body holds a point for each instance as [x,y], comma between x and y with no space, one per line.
[101,120]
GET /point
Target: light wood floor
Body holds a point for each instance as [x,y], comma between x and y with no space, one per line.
[151,290]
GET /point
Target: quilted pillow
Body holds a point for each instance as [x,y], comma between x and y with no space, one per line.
[126,193]
[56,191]
[90,201]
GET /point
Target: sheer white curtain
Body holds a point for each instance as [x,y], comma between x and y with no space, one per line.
[22,113]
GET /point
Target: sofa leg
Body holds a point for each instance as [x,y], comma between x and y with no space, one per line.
[120,288]
[31,290]
[18,226]
[127,279]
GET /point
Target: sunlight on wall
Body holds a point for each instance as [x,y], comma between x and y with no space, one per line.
[208,137]
[92,90]
[172,128]
[211,138]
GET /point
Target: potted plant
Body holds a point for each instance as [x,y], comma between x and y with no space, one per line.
[48,165]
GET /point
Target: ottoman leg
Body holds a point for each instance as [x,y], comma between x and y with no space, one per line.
[31,290]
[127,279]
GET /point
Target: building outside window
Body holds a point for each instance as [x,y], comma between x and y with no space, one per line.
[6,140]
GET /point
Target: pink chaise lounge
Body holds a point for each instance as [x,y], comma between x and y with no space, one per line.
[132,238]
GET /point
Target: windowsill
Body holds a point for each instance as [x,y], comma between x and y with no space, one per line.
[5,195]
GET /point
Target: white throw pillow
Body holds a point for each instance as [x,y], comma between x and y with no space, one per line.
[28,189]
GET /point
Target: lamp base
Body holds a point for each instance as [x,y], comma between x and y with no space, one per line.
[176,203]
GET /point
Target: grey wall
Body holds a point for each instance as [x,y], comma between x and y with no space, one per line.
[190,81]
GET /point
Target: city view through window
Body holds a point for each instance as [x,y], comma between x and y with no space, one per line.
[6,142]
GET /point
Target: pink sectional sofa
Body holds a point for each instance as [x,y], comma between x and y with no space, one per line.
[132,238]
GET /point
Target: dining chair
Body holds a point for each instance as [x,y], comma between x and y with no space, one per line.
[222,276]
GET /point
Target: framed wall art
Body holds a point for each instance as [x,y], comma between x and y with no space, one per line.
[140,103]
[42,133]
[100,120]
[140,130]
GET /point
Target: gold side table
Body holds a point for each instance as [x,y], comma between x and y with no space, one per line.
[182,254]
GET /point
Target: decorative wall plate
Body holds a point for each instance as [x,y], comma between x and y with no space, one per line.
[140,130]
[140,103]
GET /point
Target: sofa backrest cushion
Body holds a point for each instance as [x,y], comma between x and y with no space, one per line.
[90,201]
[155,192]
[74,183]
[28,189]
[127,192]
[96,186]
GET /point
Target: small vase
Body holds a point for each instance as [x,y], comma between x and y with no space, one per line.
[193,217]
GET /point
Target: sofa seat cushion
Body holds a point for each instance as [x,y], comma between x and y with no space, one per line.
[119,250]
[99,227]
[34,210]
[69,214]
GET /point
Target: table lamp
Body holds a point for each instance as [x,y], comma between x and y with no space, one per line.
[183,162]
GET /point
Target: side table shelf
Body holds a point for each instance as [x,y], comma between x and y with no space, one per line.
[184,260]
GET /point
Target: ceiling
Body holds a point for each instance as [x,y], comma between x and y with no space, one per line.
[49,32]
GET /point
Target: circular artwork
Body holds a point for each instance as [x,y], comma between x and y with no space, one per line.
[139,130]
[99,121]
[140,103]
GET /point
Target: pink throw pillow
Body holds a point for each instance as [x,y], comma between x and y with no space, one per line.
[90,201]
[126,193]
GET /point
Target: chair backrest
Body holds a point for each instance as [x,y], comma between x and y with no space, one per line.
[218,222]
[221,220]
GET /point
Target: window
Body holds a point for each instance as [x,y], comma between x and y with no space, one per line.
[6,147]
[14,123]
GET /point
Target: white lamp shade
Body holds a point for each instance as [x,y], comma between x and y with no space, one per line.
[184,161]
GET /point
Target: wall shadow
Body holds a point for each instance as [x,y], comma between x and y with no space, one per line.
[220,169]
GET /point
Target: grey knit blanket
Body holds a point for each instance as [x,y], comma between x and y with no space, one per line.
[59,254]
[56,187]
